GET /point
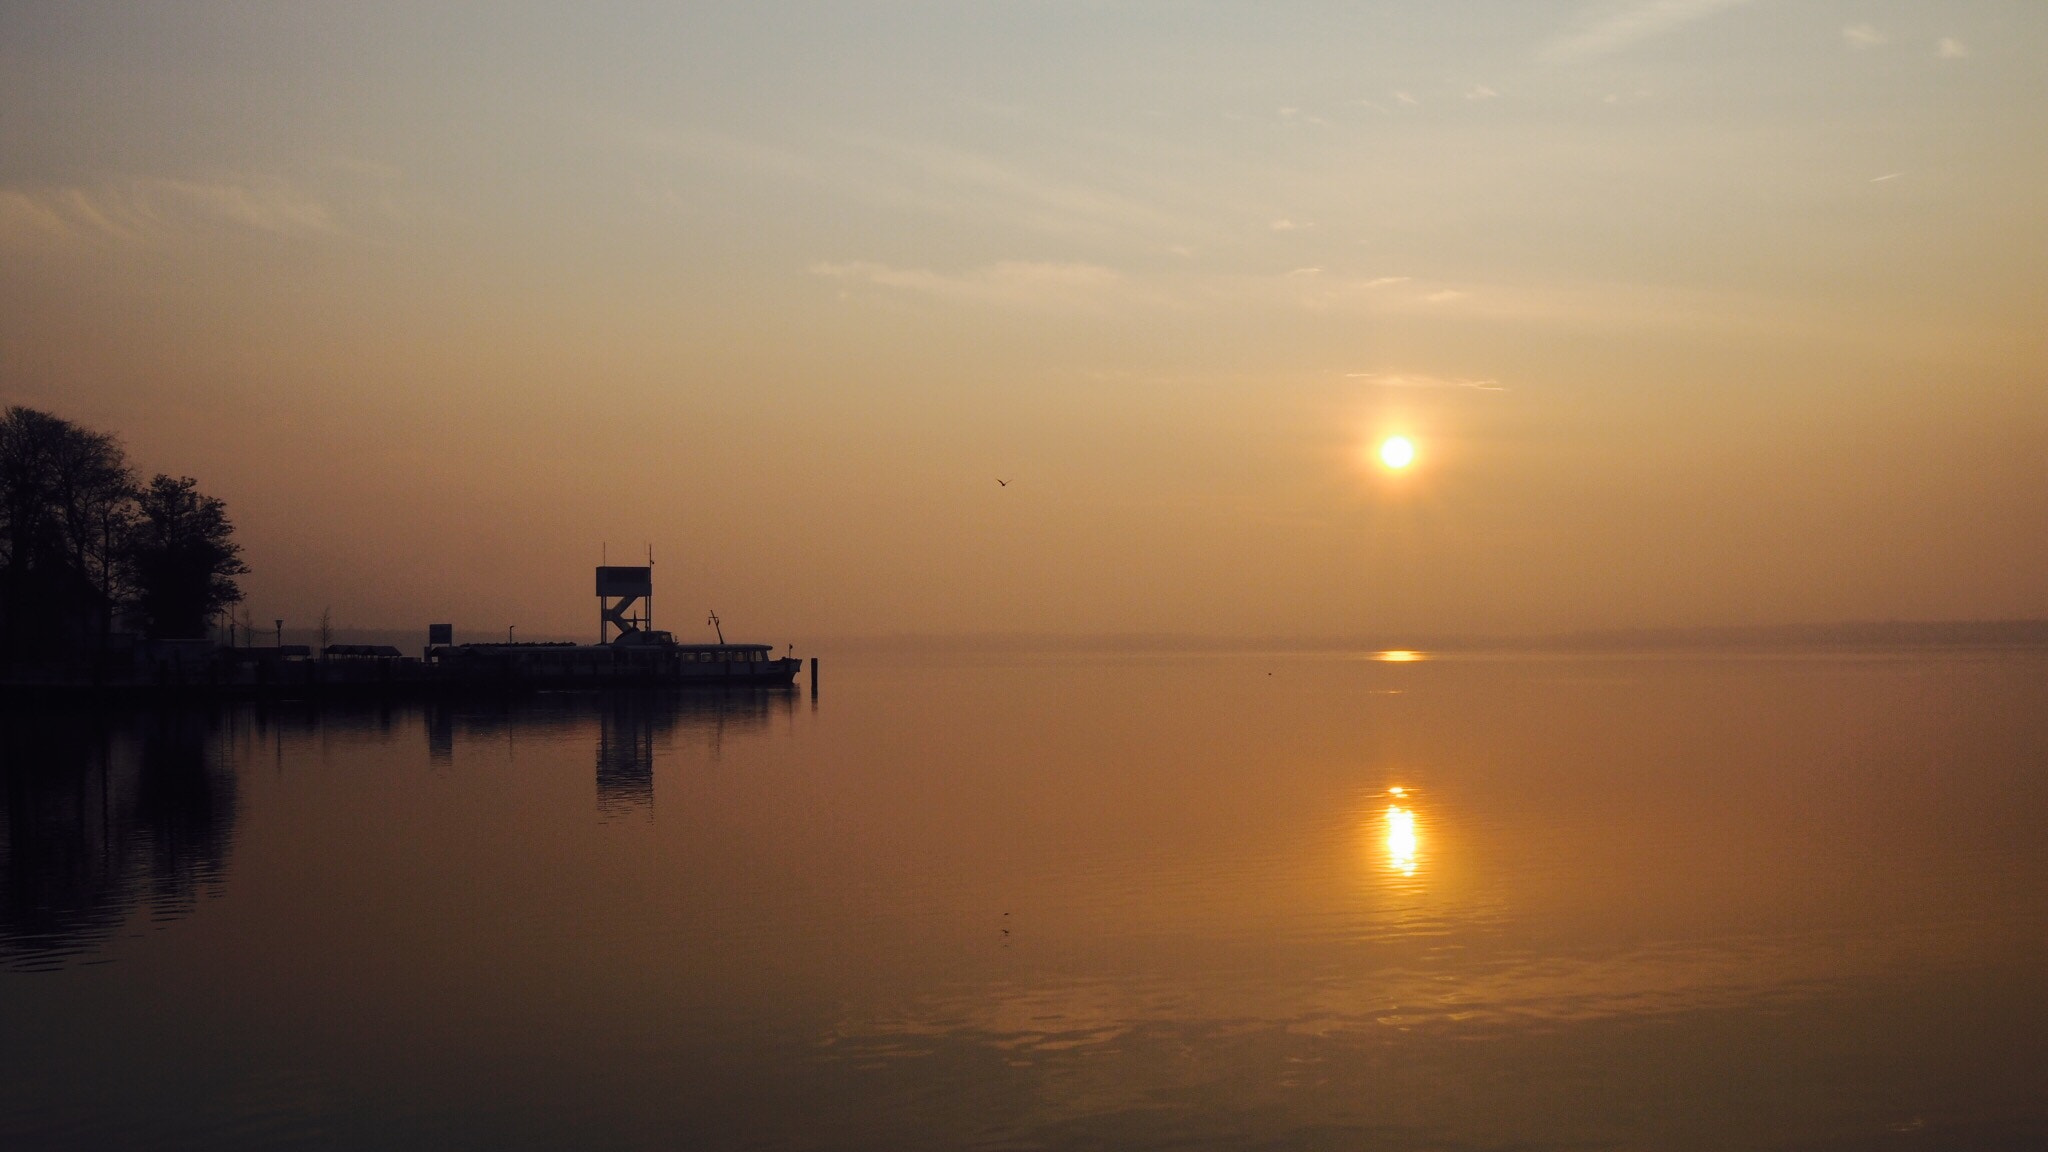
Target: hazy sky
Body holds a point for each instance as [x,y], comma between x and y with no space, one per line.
[1699,311]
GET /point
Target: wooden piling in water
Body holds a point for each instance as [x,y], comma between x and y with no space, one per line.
[814,676]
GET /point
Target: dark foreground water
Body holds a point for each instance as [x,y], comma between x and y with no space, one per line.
[1237,902]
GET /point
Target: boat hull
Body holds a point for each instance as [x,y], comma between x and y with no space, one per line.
[546,665]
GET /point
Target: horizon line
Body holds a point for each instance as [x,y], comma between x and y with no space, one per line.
[1956,632]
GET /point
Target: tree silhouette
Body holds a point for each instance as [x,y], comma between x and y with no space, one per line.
[79,540]
[66,508]
[182,558]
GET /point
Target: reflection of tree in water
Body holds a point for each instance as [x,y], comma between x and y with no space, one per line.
[185,809]
[102,812]
[60,873]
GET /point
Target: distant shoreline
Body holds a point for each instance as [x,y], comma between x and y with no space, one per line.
[1853,635]
[1860,635]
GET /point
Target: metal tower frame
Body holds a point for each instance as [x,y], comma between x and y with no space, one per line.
[618,590]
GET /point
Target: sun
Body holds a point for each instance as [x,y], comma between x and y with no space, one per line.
[1397,452]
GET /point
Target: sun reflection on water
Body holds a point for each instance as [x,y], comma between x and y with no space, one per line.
[1401,838]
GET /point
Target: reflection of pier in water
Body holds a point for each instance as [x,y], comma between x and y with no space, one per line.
[100,813]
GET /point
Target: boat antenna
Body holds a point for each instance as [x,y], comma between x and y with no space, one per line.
[714,623]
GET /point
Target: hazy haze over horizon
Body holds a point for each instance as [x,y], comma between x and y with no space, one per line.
[1699,311]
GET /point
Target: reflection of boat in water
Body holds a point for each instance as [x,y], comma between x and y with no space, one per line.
[634,726]
[633,729]
[637,655]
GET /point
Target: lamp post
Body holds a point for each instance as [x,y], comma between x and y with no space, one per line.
[280,632]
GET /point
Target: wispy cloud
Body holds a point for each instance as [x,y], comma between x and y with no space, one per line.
[1862,36]
[265,205]
[1480,92]
[1950,48]
[1422,380]
[1297,116]
[1325,291]
[26,215]
[153,209]
[1010,282]
[1079,286]
[1055,288]
[1034,198]
[917,175]
[1618,30]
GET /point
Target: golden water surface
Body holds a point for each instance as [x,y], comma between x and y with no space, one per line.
[1374,900]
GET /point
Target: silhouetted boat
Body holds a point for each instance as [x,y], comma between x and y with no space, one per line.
[636,657]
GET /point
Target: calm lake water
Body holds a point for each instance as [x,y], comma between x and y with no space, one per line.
[1246,901]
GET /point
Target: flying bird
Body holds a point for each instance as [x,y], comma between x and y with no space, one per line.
[1003,482]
